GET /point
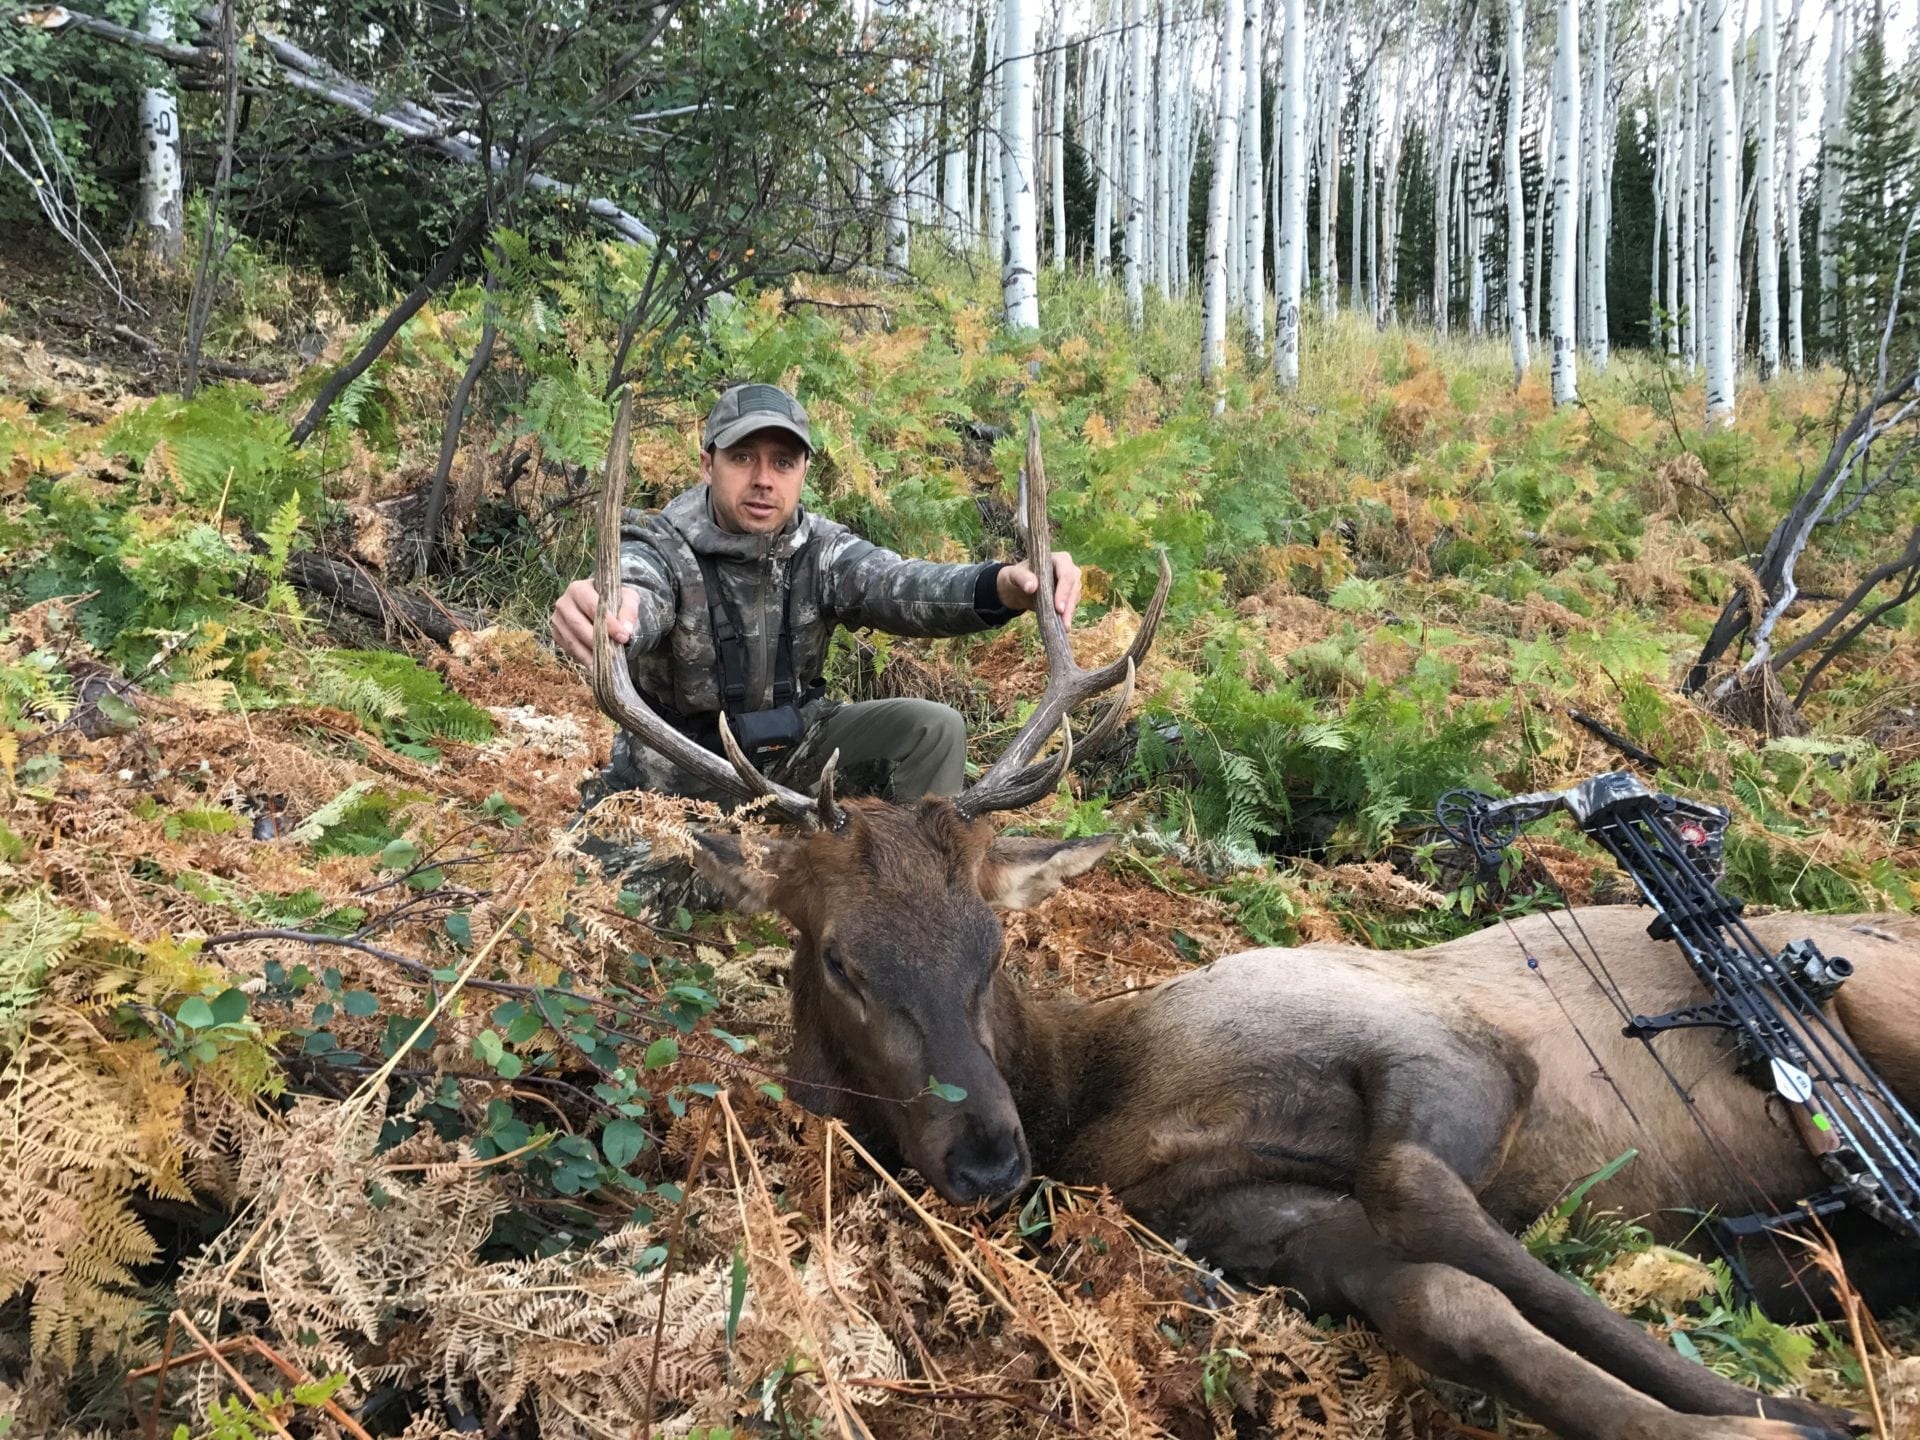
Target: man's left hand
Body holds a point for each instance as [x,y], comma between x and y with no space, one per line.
[1017,584]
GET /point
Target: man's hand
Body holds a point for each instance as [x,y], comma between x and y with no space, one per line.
[1017,584]
[573,618]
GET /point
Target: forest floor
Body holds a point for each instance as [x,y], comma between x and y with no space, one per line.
[344,1054]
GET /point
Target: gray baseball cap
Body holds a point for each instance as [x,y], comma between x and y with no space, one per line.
[745,409]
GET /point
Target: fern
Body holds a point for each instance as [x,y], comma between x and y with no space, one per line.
[36,934]
[397,697]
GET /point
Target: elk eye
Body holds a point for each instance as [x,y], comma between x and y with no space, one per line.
[834,967]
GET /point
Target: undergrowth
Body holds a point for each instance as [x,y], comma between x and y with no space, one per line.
[280,912]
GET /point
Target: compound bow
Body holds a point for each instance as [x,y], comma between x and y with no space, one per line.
[1866,1141]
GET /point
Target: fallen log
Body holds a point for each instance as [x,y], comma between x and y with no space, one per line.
[399,611]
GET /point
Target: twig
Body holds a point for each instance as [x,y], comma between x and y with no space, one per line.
[219,235]
[666,1272]
[920,1392]
[213,1351]
[1614,738]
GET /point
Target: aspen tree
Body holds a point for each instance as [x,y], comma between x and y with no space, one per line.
[1226,146]
[1516,202]
[162,207]
[1253,284]
[1723,255]
[1133,242]
[1020,249]
[1766,267]
[1566,190]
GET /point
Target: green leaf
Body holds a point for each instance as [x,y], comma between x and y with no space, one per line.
[117,712]
[952,1094]
[737,1297]
[772,1091]
[663,1051]
[428,879]
[524,1027]
[460,928]
[229,1006]
[206,1052]
[621,1141]
[194,1013]
[487,1047]
[361,1003]
[508,1066]
[400,854]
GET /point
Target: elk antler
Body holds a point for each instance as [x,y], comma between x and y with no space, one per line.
[1014,779]
[613,683]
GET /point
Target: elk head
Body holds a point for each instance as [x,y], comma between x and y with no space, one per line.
[896,967]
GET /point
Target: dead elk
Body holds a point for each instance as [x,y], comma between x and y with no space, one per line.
[1359,1127]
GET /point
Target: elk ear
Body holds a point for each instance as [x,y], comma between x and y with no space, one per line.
[1023,870]
[744,869]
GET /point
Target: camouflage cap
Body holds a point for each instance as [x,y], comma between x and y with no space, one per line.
[744,409]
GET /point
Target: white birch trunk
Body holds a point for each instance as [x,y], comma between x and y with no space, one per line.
[1164,145]
[1542,203]
[162,207]
[1058,153]
[1390,235]
[1675,228]
[1020,246]
[1599,141]
[1362,188]
[1766,229]
[1655,327]
[1133,243]
[1690,196]
[1226,146]
[1516,202]
[1723,201]
[954,205]
[1290,254]
[1103,205]
[1566,190]
[1442,215]
[1796,286]
[1253,284]
[1833,142]
[1330,103]
[992,104]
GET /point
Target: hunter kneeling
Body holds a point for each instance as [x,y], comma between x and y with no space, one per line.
[729,595]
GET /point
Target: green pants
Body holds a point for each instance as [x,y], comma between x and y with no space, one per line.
[899,750]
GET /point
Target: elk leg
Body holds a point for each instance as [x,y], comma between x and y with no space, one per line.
[1456,1325]
[1423,1208]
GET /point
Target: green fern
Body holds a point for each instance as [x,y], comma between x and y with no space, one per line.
[36,933]
[397,698]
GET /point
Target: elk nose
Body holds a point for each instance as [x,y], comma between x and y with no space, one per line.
[985,1168]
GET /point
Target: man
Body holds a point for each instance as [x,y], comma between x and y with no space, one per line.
[730,594]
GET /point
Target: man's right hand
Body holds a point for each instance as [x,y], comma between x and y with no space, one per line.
[573,619]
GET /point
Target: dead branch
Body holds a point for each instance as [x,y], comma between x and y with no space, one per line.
[218,237]
[24,126]
[441,272]
[359,591]
[312,76]
[430,543]
[1791,536]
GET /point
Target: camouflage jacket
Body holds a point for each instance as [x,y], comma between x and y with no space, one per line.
[837,579]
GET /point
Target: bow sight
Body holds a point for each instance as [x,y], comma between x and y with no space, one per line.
[1863,1137]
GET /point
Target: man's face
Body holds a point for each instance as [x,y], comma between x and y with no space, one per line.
[756,481]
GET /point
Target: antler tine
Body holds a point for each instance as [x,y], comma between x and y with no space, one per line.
[1015,774]
[613,685]
[828,814]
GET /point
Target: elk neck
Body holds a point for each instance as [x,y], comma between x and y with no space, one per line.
[1067,1061]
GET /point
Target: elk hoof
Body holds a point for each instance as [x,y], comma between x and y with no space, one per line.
[1815,1418]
